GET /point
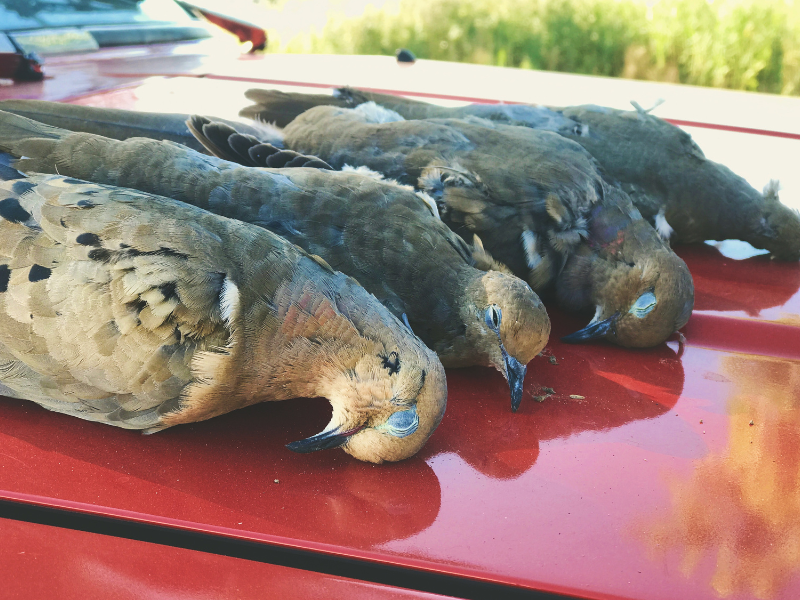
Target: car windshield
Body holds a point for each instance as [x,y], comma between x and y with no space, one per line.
[66,26]
[16,15]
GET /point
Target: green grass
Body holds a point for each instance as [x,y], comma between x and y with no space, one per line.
[737,44]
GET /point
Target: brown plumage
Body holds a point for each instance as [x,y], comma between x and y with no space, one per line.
[538,201]
[381,233]
[640,290]
[142,312]
[687,197]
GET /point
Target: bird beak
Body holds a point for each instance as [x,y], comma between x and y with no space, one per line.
[323,440]
[515,373]
[592,331]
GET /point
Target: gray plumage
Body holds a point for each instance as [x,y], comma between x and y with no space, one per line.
[615,272]
[530,195]
[687,197]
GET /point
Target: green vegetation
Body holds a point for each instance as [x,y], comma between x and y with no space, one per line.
[739,44]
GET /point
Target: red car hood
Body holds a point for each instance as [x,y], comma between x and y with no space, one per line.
[662,473]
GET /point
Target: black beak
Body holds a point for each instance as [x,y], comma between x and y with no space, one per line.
[323,441]
[515,373]
[592,331]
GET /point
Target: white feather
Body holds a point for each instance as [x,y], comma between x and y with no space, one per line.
[430,202]
[529,246]
[362,170]
[662,227]
[431,179]
[367,172]
[229,301]
[375,113]
[771,189]
[268,133]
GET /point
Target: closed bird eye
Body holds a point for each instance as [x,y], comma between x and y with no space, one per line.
[644,305]
[401,424]
[493,316]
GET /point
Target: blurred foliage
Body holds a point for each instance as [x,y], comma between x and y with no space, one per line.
[738,44]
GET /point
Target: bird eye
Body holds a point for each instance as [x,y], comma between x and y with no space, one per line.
[644,304]
[391,363]
[402,423]
[493,316]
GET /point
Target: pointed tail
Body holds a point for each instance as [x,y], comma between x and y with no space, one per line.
[115,123]
[281,108]
[23,137]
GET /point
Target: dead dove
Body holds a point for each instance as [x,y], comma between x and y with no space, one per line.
[685,196]
[381,233]
[535,199]
[143,312]
[622,264]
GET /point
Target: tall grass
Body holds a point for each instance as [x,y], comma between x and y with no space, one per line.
[738,44]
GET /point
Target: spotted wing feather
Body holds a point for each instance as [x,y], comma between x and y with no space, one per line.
[103,305]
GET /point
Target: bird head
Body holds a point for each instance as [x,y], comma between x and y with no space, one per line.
[507,324]
[779,227]
[639,302]
[388,391]
[642,291]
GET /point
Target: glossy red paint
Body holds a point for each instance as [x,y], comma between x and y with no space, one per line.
[51,562]
[663,473]
[246,32]
[9,63]
[71,76]
[639,478]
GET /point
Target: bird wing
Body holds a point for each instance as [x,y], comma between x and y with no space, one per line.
[227,143]
[104,304]
[526,193]
[379,232]
[665,172]
[281,108]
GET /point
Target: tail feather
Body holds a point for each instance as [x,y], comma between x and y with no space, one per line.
[281,108]
[116,123]
[225,142]
[14,130]
[42,148]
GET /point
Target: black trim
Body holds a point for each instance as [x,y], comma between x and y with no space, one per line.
[306,560]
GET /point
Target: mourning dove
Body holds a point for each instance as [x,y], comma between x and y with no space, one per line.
[535,198]
[685,196]
[381,233]
[143,312]
[640,290]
